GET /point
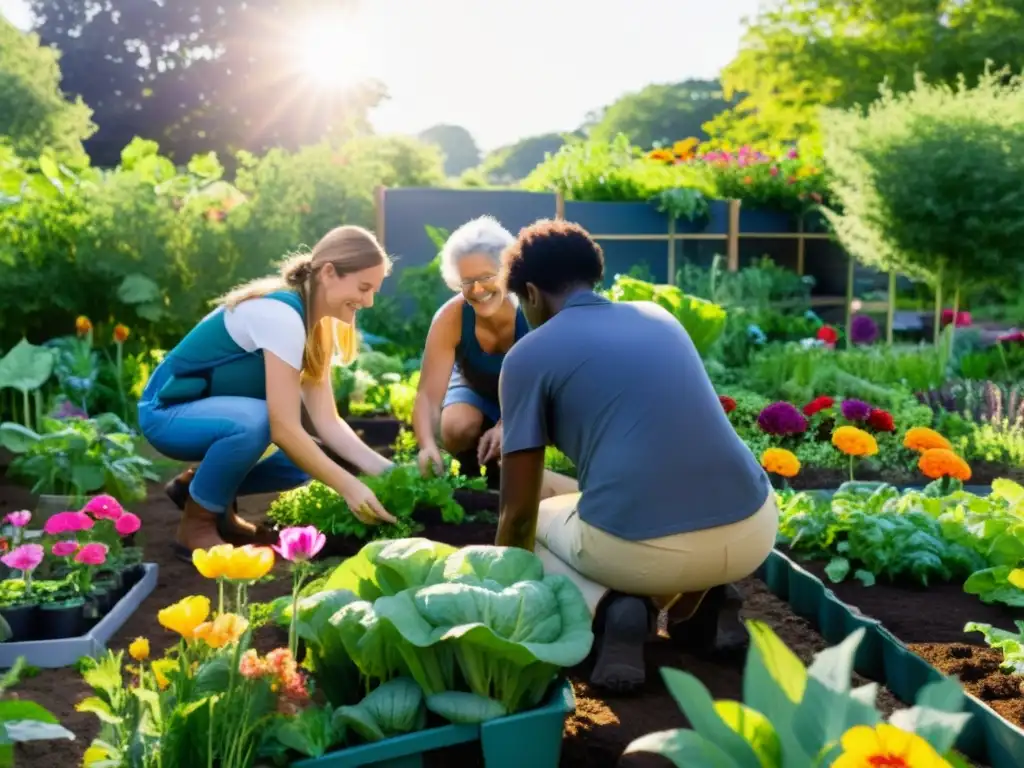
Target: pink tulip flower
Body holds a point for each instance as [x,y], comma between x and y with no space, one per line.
[300,544]
[104,508]
[92,554]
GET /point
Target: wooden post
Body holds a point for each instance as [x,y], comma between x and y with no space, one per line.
[378,206]
[732,244]
[559,205]
[937,330]
[671,251]
[851,272]
[801,247]
[890,313]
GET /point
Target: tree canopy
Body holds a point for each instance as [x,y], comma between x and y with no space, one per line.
[457,145]
[516,161]
[34,113]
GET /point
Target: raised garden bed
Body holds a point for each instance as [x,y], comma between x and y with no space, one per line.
[376,431]
[811,478]
[62,651]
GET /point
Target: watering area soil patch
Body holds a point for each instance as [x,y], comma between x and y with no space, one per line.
[930,621]
[595,736]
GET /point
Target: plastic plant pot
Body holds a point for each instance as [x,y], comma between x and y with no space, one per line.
[99,603]
[23,621]
[63,619]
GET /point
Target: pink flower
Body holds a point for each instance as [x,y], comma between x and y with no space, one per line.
[127,524]
[92,554]
[67,522]
[25,558]
[18,519]
[64,548]
[300,544]
[104,508]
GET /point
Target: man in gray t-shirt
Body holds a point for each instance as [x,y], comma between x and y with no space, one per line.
[673,504]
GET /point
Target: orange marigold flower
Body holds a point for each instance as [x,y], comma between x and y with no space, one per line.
[921,439]
[121,333]
[661,155]
[83,325]
[781,462]
[942,462]
[854,442]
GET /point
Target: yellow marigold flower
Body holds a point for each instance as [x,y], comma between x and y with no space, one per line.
[82,325]
[886,745]
[781,462]
[139,649]
[686,147]
[160,669]
[661,155]
[185,615]
[921,439]
[941,462]
[121,333]
[213,563]
[249,563]
[854,442]
[224,630]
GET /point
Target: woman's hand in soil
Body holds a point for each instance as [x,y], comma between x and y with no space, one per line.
[429,460]
[364,504]
[489,447]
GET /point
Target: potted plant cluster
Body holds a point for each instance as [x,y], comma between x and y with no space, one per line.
[71,577]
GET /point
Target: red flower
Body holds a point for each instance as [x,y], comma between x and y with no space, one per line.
[4,545]
[818,404]
[881,421]
[828,334]
[1016,336]
[963,319]
[728,404]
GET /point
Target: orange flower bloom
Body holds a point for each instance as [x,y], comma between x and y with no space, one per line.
[748,180]
[780,462]
[83,325]
[224,630]
[942,462]
[854,442]
[661,155]
[921,439]
[121,333]
[685,148]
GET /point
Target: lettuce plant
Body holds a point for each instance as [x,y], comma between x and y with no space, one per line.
[792,716]
[1010,644]
[484,622]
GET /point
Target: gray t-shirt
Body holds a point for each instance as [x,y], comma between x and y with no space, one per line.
[620,389]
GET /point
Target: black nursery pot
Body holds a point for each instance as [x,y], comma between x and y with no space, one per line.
[60,620]
[23,621]
[132,575]
[98,603]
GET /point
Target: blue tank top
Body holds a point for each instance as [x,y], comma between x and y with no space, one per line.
[480,369]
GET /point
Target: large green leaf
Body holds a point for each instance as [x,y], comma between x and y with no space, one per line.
[17,438]
[394,708]
[138,289]
[26,367]
[756,730]
[937,717]
[388,567]
[685,749]
[462,707]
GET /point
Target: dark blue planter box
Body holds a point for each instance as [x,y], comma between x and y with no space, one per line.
[755,221]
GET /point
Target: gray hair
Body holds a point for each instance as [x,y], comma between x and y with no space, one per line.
[483,235]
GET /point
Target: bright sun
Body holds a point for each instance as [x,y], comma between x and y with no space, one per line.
[331,54]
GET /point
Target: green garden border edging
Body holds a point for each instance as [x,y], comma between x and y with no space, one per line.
[532,738]
[988,738]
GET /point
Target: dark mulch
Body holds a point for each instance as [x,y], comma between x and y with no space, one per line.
[930,620]
[595,736]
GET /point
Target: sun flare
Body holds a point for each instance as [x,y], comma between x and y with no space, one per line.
[332,54]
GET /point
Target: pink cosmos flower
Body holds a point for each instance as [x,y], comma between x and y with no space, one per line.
[92,554]
[67,522]
[104,508]
[18,519]
[64,548]
[127,524]
[25,558]
[300,544]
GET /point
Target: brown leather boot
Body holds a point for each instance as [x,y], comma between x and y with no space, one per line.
[197,530]
[177,488]
[237,530]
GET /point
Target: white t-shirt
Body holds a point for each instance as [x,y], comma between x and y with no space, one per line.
[268,324]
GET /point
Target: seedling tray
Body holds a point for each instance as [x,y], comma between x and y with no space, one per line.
[66,651]
[988,738]
[532,738]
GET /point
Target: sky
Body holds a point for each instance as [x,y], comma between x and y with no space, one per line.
[507,70]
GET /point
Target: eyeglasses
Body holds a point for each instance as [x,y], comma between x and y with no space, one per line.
[483,282]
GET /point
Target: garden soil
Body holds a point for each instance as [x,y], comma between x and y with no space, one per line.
[930,620]
[814,478]
[594,737]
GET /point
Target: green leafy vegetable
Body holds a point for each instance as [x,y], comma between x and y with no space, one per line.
[396,707]
[1009,643]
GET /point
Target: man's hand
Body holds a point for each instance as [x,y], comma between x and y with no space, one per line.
[521,476]
[489,447]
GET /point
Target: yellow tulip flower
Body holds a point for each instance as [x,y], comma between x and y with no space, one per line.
[224,630]
[249,563]
[139,649]
[160,669]
[185,615]
[213,563]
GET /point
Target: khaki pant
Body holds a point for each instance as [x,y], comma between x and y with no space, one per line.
[660,568]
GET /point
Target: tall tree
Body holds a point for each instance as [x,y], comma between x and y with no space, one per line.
[515,161]
[799,55]
[210,74]
[660,113]
[456,144]
[34,114]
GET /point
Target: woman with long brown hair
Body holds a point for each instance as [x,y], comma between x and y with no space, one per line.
[236,384]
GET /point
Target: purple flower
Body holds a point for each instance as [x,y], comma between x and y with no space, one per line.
[781,419]
[69,410]
[300,544]
[855,410]
[863,330]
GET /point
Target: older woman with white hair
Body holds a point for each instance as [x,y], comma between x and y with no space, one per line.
[457,398]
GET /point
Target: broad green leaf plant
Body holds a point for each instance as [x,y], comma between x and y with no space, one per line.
[797,717]
[22,720]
